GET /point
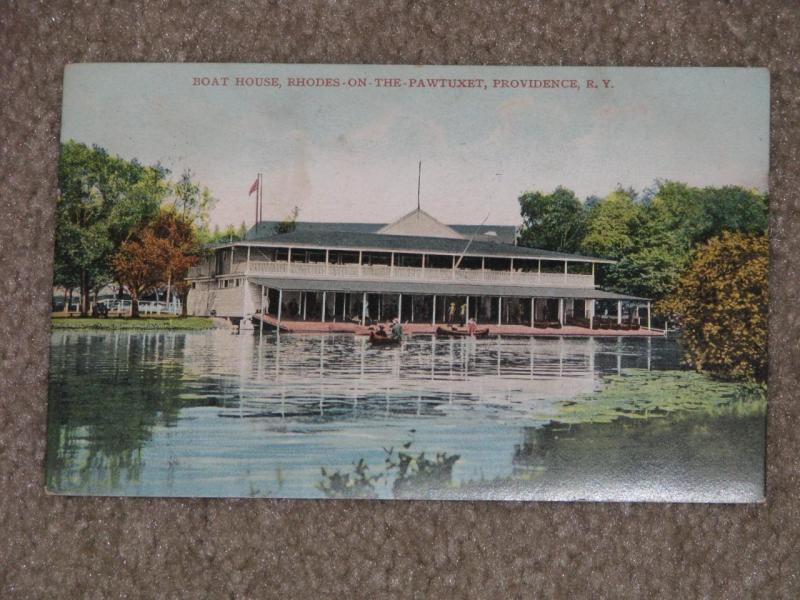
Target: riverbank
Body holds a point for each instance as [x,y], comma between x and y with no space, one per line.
[127,324]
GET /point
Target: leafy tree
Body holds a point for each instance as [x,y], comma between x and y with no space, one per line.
[161,253]
[721,306]
[684,216]
[555,221]
[649,273]
[102,200]
[654,248]
[612,225]
[732,208]
[140,264]
[182,251]
[675,217]
[289,224]
[191,201]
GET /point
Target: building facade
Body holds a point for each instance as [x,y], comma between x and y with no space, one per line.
[416,268]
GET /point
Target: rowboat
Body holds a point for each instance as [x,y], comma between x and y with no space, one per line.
[444,332]
[383,340]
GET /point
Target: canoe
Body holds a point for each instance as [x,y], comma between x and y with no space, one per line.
[444,332]
[382,340]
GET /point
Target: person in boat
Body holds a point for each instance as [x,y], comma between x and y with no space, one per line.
[451,314]
[381,331]
[397,329]
[472,326]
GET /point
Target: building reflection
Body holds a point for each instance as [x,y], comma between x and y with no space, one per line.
[346,375]
[111,393]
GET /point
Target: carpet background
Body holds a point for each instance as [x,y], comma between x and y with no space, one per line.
[95,547]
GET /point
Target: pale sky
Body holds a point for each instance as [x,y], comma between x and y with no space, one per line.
[350,154]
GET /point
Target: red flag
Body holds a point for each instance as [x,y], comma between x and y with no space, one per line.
[253,187]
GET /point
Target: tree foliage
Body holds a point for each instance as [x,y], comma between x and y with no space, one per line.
[555,221]
[721,306]
[102,200]
[191,201]
[228,234]
[140,264]
[161,253]
[651,234]
[289,224]
[183,252]
[612,224]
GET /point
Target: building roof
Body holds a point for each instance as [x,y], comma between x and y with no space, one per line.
[505,234]
[376,242]
[440,288]
[420,223]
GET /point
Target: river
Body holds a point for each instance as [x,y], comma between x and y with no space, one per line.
[214,414]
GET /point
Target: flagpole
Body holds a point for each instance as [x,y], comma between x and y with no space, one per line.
[260,198]
[251,193]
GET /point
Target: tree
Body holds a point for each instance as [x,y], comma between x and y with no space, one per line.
[102,200]
[721,306]
[684,216]
[732,208]
[140,264]
[653,238]
[554,221]
[652,272]
[675,217]
[191,201]
[161,253]
[182,251]
[612,225]
[289,224]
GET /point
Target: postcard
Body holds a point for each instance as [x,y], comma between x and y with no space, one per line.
[410,282]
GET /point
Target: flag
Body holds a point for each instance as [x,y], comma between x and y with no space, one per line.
[253,187]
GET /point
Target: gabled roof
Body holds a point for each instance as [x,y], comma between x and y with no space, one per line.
[505,234]
[377,242]
[420,223]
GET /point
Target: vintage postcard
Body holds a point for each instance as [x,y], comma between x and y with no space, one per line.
[394,282]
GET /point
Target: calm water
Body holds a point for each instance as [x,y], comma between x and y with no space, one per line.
[213,414]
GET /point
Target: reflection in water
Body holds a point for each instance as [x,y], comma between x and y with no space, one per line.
[219,415]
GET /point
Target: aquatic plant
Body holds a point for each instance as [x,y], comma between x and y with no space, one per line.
[643,394]
[349,485]
[419,472]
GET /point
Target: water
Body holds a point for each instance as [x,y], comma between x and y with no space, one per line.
[213,414]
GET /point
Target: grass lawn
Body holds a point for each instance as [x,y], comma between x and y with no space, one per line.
[126,323]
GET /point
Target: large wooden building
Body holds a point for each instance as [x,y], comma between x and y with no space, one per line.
[416,268]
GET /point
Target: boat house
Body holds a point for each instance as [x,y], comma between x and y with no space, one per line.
[416,268]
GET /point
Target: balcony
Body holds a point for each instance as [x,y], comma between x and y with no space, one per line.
[412,274]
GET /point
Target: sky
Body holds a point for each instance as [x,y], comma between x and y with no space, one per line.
[351,153]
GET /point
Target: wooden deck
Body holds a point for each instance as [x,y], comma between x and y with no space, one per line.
[271,323]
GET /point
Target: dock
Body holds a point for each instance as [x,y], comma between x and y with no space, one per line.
[271,323]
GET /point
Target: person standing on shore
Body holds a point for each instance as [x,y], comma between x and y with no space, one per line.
[463,314]
[451,314]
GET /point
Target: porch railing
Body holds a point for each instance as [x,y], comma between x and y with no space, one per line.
[413,274]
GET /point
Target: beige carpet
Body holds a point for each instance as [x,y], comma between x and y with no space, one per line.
[96,548]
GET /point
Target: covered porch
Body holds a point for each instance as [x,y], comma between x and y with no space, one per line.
[315,305]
